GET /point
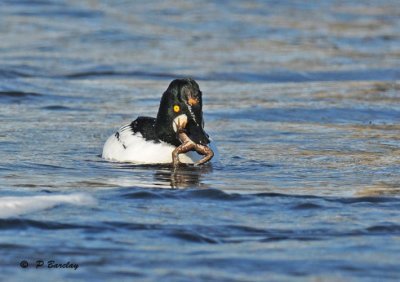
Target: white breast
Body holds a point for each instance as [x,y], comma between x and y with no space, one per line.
[133,148]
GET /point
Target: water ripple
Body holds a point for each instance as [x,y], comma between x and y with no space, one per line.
[192,236]
[21,224]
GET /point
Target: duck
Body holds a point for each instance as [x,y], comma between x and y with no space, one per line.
[176,136]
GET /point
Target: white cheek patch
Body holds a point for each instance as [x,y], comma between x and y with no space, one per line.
[179,120]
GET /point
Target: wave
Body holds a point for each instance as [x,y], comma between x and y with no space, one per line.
[301,201]
[385,74]
[272,77]
[18,94]
[18,205]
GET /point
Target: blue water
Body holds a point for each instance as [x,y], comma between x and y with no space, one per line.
[302,99]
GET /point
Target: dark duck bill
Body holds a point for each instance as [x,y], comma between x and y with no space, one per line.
[179,123]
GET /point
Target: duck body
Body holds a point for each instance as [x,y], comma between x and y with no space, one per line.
[149,140]
[126,145]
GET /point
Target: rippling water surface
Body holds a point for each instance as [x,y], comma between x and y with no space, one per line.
[302,99]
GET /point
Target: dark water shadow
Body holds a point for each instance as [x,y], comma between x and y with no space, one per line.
[61,108]
[19,97]
[15,96]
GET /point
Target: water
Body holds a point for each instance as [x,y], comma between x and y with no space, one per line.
[301,98]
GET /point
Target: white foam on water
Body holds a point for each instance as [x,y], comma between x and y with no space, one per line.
[17,205]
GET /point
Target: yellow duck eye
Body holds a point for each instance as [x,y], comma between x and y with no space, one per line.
[176,108]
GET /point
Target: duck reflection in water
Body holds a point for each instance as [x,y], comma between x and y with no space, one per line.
[182,176]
